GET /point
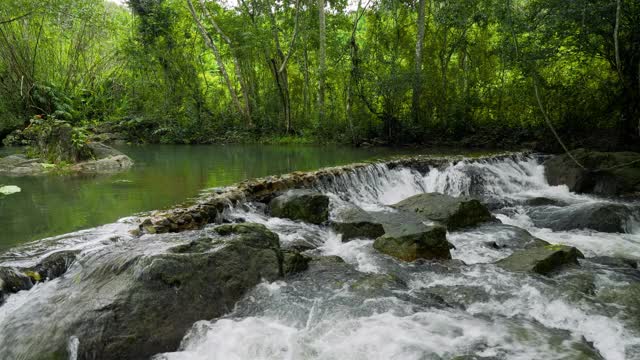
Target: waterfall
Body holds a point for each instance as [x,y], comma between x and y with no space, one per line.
[372,306]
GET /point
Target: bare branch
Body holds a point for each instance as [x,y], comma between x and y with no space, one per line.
[15,18]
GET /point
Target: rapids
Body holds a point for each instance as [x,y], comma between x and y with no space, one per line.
[375,307]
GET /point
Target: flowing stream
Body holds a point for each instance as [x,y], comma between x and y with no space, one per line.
[375,307]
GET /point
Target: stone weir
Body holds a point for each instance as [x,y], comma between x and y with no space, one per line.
[209,208]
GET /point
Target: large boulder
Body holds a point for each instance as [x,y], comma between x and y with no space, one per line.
[542,260]
[102,151]
[453,212]
[624,179]
[415,241]
[106,165]
[604,217]
[143,299]
[354,222]
[20,165]
[99,158]
[305,205]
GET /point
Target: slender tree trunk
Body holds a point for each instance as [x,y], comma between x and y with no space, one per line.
[417,79]
[307,81]
[236,63]
[615,39]
[322,67]
[211,45]
[279,64]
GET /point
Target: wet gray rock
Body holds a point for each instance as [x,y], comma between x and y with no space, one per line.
[375,284]
[145,301]
[623,180]
[509,237]
[105,160]
[56,264]
[304,205]
[102,151]
[615,262]
[415,241]
[299,245]
[542,260]
[106,165]
[20,165]
[294,262]
[355,223]
[11,281]
[543,201]
[453,212]
[604,217]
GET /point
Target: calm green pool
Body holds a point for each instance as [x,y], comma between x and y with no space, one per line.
[162,176]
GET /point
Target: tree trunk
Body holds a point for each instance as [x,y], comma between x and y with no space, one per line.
[615,39]
[307,87]
[321,60]
[417,84]
[236,64]
[211,45]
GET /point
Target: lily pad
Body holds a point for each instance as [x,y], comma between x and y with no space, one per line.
[9,189]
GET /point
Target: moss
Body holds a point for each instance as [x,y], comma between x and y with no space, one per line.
[35,276]
[555,247]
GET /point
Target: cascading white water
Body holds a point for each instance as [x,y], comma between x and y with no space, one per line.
[374,307]
[502,314]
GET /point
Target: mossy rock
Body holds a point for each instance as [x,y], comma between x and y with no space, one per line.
[294,262]
[304,205]
[414,242]
[453,212]
[13,280]
[146,301]
[353,223]
[542,260]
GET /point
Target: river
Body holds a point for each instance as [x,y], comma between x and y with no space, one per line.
[163,175]
[374,307]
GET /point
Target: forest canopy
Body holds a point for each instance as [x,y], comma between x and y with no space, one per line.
[480,72]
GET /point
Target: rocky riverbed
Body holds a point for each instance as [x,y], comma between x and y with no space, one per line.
[414,258]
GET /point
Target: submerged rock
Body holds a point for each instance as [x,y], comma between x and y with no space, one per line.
[542,260]
[305,205]
[627,297]
[604,217]
[596,179]
[355,223]
[145,301]
[453,212]
[412,242]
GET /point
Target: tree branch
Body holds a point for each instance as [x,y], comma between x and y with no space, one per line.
[15,18]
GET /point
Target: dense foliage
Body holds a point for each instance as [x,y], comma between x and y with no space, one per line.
[483,72]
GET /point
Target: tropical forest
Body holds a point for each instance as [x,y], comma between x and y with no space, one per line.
[319,179]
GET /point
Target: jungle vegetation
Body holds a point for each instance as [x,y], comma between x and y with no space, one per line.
[474,72]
